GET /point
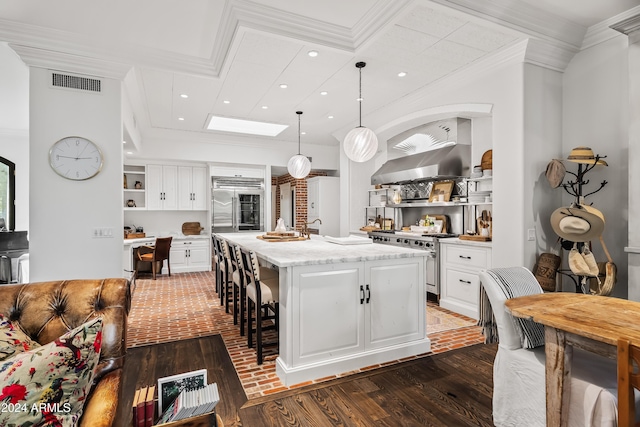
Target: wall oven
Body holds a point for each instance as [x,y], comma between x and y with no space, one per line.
[237,204]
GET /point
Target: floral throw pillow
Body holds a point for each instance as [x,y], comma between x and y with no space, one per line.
[13,340]
[47,386]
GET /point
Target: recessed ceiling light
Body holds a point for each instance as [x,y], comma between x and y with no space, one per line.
[226,102]
[283,86]
[129,152]
[313,53]
[330,117]
[124,142]
[303,133]
[184,95]
[324,92]
[181,119]
[264,107]
[227,124]
[402,74]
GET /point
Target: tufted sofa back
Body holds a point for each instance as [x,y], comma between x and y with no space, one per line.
[46,310]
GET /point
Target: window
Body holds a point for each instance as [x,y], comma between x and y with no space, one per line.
[7,193]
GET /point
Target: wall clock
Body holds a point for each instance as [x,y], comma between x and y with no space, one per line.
[76,158]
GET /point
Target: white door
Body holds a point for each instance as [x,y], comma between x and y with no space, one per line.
[395,296]
[313,196]
[185,192]
[199,188]
[170,187]
[330,308]
[286,204]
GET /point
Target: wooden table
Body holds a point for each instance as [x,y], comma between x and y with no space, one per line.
[593,323]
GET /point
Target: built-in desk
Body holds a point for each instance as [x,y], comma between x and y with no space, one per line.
[188,253]
[344,307]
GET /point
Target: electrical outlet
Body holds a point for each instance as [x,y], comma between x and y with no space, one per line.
[531,234]
[102,232]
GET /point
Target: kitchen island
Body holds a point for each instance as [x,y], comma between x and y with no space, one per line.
[343,307]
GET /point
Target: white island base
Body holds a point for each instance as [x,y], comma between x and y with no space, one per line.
[343,308]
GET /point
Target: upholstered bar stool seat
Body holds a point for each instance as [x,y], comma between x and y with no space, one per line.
[269,289]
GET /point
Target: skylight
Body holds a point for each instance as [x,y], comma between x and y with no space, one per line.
[226,124]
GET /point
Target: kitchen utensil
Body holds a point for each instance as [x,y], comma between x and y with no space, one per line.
[191,228]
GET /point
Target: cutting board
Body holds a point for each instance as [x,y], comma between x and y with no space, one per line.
[273,238]
[474,238]
[191,228]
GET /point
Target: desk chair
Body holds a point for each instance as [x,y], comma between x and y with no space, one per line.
[519,373]
[628,382]
[155,254]
[262,300]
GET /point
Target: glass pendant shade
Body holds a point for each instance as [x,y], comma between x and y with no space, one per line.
[299,166]
[360,144]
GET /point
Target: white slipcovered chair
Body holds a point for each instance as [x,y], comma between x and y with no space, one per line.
[519,373]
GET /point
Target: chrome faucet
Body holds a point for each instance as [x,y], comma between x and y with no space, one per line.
[305,230]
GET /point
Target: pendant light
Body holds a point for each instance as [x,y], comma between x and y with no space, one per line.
[299,166]
[361,143]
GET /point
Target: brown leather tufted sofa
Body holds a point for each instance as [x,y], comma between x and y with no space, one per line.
[47,310]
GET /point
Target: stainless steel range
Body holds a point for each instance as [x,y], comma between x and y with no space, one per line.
[426,242]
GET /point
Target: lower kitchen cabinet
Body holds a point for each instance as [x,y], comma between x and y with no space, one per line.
[352,308]
[460,264]
[190,255]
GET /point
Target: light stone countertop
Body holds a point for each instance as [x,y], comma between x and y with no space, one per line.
[456,241]
[152,239]
[317,250]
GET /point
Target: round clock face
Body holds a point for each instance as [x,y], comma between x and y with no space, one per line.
[75,158]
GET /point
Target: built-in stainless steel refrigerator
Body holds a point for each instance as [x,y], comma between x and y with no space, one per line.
[237,204]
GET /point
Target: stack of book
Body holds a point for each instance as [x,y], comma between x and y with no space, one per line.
[144,406]
[191,403]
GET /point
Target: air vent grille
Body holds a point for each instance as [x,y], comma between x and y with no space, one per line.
[75,82]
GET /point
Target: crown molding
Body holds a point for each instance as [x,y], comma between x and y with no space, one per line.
[548,55]
[629,24]
[522,17]
[612,27]
[35,57]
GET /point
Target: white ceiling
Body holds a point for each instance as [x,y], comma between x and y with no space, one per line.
[241,51]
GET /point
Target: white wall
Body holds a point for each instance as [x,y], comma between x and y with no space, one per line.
[64,212]
[14,126]
[596,115]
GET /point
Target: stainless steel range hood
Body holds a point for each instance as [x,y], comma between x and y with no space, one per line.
[435,151]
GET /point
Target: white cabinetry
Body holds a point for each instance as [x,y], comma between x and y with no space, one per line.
[192,188]
[323,202]
[350,308]
[460,284]
[190,255]
[162,187]
[237,172]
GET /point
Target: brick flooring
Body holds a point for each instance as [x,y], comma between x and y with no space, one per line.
[186,305]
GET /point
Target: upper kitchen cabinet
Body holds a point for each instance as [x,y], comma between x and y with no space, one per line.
[162,187]
[237,172]
[192,188]
[323,204]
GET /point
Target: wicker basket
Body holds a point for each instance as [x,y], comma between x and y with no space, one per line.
[546,269]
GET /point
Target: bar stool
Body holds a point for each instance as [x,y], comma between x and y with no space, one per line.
[262,296]
[237,281]
[216,261]
[226,282]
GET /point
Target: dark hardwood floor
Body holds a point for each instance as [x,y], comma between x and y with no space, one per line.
[449,389]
